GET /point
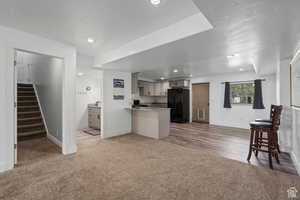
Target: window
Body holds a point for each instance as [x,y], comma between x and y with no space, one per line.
[242,93]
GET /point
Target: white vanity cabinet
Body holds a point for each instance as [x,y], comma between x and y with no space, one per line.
[94,116]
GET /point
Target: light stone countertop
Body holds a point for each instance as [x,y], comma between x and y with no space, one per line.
[147,109]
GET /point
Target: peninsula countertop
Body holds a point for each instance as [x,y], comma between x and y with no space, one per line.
[147,109]
[153,122]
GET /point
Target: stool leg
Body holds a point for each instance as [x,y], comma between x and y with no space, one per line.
[270,149]
[277,158]
[251,143]
[277,145]
[257,133]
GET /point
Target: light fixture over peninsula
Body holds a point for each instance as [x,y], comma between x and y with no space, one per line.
[91,40]
[155,2]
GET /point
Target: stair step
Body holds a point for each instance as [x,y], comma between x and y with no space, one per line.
[28,112]
[25,89]
[30,125]
[35,106]
[31,133]
[33,96]
[29,118]
[25,93]
[24,85]
[28,101]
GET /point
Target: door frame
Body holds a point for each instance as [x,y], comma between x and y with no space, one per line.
[49,136]
[209,110]
[45,47]
[15,109]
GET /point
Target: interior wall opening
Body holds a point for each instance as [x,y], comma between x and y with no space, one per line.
[38,97]
[88,104]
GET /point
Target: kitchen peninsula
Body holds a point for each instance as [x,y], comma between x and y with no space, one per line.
[151,122]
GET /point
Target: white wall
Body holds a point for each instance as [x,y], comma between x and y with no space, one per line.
[289,137]
[46,73]
[116,120]
[283,98]
[296,139]
[11,39]
[296,130]
[239,115]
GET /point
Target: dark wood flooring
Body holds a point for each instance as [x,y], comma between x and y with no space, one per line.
[232,143]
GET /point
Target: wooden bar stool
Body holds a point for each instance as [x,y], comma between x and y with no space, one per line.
[268,144]
[272,113]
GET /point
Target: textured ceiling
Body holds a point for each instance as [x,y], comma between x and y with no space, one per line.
[111,23]
[260,31]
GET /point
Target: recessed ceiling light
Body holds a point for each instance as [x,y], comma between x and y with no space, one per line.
[91,40]
[175,70]
[241,70]
[80,74]
[155,2]
[162,78]
[233,55]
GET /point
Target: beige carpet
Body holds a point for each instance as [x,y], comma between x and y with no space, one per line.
[136,168]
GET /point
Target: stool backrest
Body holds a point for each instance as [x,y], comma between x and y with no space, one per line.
[276,115]
[272,111]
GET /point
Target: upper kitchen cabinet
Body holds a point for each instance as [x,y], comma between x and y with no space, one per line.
[180,84]
[134,83]
[153,89]
[149,89]
[165,87]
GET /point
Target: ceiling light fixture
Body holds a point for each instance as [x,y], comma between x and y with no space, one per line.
[80,74]
[91,40]
[233,55]
[162,78]
[241,70]
[175,70]
[155,2]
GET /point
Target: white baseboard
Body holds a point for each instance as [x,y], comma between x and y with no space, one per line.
[285,149]
[5,167]
[296,162]
[71,149]
[115,134]
[54,140]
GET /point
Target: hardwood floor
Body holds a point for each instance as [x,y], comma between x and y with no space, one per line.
[232,143]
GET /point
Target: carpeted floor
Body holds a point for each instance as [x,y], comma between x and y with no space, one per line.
[135,168]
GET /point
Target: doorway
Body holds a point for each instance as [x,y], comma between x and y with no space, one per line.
[200,102]
[88,104]
[38,113]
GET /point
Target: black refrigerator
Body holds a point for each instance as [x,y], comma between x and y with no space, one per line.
[179,103]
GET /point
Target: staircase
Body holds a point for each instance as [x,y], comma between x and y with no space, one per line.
[30,122]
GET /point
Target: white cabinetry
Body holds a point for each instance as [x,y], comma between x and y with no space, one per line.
[148,89]
[165,87]
[94,116]
[154,89]
[180,84]
[157,89]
